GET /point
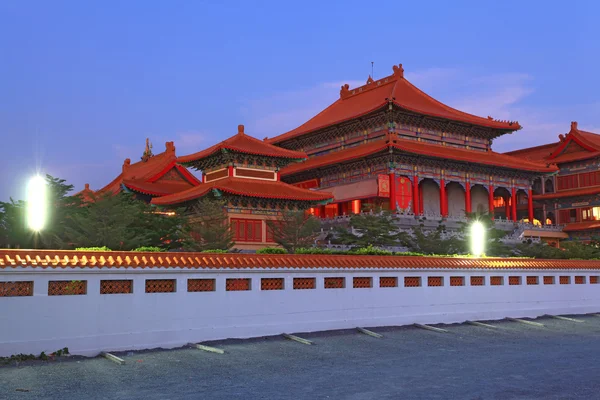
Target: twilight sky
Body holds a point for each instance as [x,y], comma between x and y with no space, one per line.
[84,83]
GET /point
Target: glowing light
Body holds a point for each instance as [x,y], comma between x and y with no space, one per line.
[477,239]
[36,203]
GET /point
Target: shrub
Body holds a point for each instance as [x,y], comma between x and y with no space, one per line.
[370,250]
[149,249]
[271,250]
[103,248]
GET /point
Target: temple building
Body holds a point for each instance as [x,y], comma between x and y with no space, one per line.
[389,144]
[570,197]
[152,176]
[245,172]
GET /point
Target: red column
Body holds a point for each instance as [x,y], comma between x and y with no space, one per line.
[530,205]
[316,211]
[507,207]
[443,205]
[230,170]
[420,191]
[514,204]
[392,191]
[491,201]
[356,206]
[467,197]
[416,208]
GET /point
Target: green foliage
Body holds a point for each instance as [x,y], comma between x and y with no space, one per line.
[568,250]
[103,248]
[376,229]
[317,250]
[149,249]
[208,228]
[433,241]
[294,229]
[118,222]
[371,251]
[271,250]
[60,209]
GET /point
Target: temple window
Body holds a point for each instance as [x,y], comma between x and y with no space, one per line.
[568,182]
[590,214]
[246,230]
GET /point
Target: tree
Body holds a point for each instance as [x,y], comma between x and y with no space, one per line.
[110,220]
[294,230]
[434,241]
[59,208]
[208,226]
[376,229]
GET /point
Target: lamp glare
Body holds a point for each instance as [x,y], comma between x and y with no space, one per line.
[477,238]
[36,203]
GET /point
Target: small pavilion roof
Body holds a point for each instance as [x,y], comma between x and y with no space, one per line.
[574,146]
[245,187]
[581,226]
[427,149]
[244,144]
[143,176]
[396,89]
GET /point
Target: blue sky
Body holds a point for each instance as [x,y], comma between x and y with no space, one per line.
[83,83]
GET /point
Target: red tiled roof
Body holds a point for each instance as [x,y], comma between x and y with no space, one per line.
[162,188]
[245,187]
[354,103]
[588,147]
[144,174]
[71,259]
[243,143]
[568,193]
[415,147]
[581,226]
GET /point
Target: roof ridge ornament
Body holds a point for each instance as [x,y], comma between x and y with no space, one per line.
[574,126]
[370,80]
[126,164]
[170,147]
[398,71]
[240,129]
[345,91]
[147,151]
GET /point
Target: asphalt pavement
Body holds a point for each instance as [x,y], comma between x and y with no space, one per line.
[514,361]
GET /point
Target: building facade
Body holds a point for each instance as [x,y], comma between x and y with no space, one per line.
[571,196]
[389,144]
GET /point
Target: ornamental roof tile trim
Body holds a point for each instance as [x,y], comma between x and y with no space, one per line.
[245,144]
[143,175]
[588,142]
[396,89]
[410,146]
[72,259]
[245,187]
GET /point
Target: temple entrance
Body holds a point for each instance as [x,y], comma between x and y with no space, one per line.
[522,206]
[502,202]
[456,199]
[430,195]
[479,199]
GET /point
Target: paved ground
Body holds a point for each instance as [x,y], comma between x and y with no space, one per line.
[516,361]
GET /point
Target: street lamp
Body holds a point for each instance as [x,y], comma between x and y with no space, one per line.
[36,203]
[477,239]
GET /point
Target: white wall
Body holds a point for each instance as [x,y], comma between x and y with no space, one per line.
[456,199]
[479,197]
[88,324]
[431,197]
